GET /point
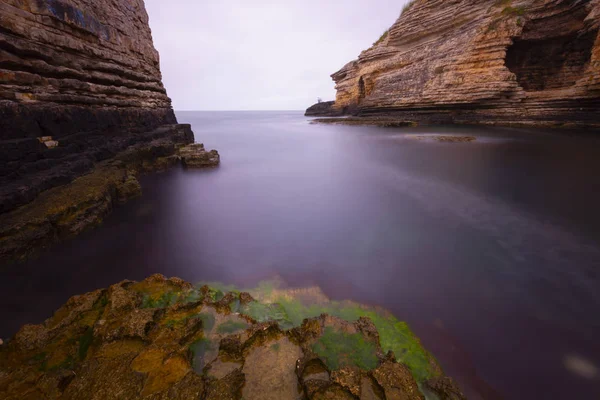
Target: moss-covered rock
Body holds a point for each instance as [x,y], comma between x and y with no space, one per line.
[66,211]
[166,339]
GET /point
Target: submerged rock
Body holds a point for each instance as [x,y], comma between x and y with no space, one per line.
[164,339]
[195,156]
[446,138]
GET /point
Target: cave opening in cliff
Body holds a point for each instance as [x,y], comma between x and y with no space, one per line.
[550,63]
[361,88]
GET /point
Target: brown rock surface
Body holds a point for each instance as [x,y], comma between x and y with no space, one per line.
[164,339]
[79,83]
[529,62]
[195,156]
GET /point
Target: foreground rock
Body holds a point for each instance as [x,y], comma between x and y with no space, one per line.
[164,339]
[529,62]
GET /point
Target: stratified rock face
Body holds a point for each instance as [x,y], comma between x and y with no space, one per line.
[164,339]
[79,82]
[533,62]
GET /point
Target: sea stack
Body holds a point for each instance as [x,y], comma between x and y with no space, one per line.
[506,62]
[80,96]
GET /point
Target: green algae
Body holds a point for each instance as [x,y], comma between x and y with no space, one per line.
[263,312]
[289,312]
[199,348]
[208,321]
[231,327]
[339,350]
[85,342]
[394,335]
[167,299]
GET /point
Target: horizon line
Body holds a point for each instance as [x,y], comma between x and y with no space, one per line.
[239,110]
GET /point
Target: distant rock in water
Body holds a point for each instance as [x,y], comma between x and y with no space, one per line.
[532,62]
[323,109]
[165,339]
[80,86]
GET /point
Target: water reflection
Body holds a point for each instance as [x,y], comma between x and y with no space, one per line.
[489,249]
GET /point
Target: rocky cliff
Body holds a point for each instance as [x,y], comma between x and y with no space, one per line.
[165,339]
[79,82]
[530,62]
[82,112]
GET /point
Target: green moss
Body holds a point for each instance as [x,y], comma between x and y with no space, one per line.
[102,301]
[85,342]
[218,286]
[67,363]
[208,321]
[394,335]
[39,357]
[340,349]
[191,296]
[516,11]
[199,348]
[288,312]
[167,299]
[231,326]
[266,312]
[276,347]
[234,306]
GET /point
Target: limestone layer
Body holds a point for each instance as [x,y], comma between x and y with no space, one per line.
[527,62]
[79,82]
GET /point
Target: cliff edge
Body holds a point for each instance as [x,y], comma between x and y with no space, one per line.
[79,82]
[82,111]
[508,62]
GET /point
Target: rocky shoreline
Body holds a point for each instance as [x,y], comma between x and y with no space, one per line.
[63,212]
[164,338]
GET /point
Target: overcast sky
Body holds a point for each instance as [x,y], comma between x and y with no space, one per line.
[260,54]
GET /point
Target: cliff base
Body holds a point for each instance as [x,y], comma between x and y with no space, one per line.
[66,211]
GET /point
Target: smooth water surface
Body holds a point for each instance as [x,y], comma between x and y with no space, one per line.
[489,249]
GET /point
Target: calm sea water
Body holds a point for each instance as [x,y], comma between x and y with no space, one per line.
[490,250]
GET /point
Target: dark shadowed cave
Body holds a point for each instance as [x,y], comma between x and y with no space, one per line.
[541,60]
[361,88]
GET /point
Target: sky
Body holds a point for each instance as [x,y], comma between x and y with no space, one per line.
[261,54]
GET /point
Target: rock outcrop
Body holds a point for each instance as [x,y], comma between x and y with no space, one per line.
[164,339]
[322,109]
[525,62]
[79,83]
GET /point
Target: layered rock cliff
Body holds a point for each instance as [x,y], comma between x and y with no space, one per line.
[79,82]
[531,62]
[82,112]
